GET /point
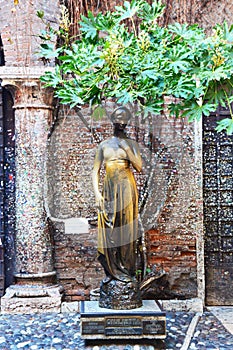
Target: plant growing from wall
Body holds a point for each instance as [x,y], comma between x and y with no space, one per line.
[113,58]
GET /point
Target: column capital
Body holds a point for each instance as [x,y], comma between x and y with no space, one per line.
[26,87]
[11,74]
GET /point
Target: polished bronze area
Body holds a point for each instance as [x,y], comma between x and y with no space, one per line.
[118,215]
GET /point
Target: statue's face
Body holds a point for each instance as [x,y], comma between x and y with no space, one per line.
[121,118]
[120,126]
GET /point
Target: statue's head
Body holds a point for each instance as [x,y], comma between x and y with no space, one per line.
[121,115]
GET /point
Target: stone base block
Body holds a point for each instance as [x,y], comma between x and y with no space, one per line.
[145,322]
[70,307]
[186,305]
[31,299]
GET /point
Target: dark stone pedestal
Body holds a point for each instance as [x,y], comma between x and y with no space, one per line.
[120,295]
[145,322]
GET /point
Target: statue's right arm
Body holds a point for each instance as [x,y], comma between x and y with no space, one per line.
[95,177]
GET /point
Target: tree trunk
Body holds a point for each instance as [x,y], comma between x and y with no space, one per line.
[204,12]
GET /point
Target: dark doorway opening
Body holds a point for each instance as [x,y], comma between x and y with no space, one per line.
[218,210]
[2,58]
[7,189]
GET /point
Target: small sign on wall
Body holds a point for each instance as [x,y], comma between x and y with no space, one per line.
[76,226]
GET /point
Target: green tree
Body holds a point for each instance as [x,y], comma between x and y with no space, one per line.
[113,58]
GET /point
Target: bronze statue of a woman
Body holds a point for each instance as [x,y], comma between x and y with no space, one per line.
[118,215]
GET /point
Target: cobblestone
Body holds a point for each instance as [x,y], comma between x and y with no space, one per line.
[62,332]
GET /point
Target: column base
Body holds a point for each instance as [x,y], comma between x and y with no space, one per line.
[31,299]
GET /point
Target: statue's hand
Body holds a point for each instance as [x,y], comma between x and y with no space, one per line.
[99,201]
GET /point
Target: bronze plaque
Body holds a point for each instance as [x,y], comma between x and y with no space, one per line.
[154,327]
[93,327]
[123,325]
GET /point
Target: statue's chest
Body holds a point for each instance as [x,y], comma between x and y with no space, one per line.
[113,151]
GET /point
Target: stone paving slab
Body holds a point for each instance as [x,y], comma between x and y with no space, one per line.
[225,315]
[210,334]
[62,332]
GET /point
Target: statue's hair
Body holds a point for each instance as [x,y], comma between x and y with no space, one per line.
[121,111]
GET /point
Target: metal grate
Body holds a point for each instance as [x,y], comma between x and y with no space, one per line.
[7,189]
[8,214]
[2,276]
[218,210]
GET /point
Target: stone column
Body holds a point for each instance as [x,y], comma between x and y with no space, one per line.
[35,276]
[33,241]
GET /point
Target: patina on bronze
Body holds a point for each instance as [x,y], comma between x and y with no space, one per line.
[118,215]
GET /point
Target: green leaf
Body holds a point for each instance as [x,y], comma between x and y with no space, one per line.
[227,32]
[180,65]
[88,25]
[106,22]
[217,74]
[48,51]
[150,73]
[150,13]
[195,111]
[52,79]
[183,88]
[154,107]
[129,9]
[179,29]
[124,97]
[69,93]
[175,109]
[225,124]
[40,14]
[98,113]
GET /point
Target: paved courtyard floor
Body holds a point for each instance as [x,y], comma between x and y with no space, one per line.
[185,331]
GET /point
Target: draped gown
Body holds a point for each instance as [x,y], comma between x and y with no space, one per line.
[118,221]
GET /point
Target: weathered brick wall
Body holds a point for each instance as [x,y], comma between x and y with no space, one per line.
[78,270]
[176,191]
[172,213]
[20,27]
[169,184]
[172,238]
[70,195]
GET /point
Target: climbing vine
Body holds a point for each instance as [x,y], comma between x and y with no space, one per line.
[146,64]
